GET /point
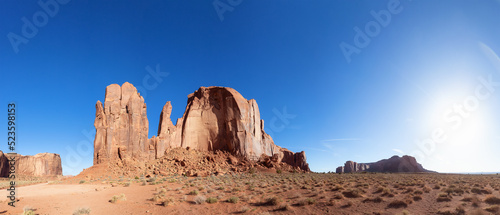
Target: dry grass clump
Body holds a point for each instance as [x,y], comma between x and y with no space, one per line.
[307,201]
[82,211]
[493,209]
[199,199]
[118,198]
[284,207]
[480,191]
[167,202]
[492,200]
[347,204]
[211,200]
[387,192]
[443,197]
[272,201]
[417,197]
[397,204]
[377,199]
[28,210]
[352,193]
[233,199]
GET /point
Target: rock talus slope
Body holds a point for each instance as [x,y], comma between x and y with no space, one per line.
[216,118]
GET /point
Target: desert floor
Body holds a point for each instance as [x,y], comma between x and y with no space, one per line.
[265,193]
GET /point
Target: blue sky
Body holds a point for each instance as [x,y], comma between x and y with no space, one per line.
[401,92]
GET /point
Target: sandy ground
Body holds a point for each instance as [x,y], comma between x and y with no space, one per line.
[264,194]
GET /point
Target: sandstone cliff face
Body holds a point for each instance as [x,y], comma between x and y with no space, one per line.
[121,125]
[393,164]
[216,118]
[42,164]
[4,165]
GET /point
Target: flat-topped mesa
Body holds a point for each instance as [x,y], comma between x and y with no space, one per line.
[40,165]
[216,118]
[393,164]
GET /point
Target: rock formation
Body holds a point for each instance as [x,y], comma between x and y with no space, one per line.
[42,164]
[216,118]
[393,164]
[4,165]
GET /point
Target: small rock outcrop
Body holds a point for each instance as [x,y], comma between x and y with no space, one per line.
[39,165]
[393,164]
[216,118]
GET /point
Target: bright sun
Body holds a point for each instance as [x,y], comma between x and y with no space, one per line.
[460,113]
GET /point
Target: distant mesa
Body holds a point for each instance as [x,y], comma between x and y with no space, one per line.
[39,165]
[215,119]
[394,164]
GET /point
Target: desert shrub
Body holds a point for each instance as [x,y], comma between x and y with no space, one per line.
[337,187]
[244,209]
[492,200]
[397,204]
[444,212]
[127,184]
[352,193]
[347,204]
[284,207]
[480,191]
[118,198]
[82,181]
[307,201]
[212,200]
[156,198]
[387,192]
[272,201]
[493,208]
[443,197]
[167,202]
[199,199]
[27,210]
[460,210]
[163,191]
[417,198]
[377,199]
[252,171]
[379,189]
[233,199]
[81,211]
[194,192]
[279,171]
[338,196]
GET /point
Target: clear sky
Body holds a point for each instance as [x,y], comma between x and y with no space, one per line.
[358,80]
